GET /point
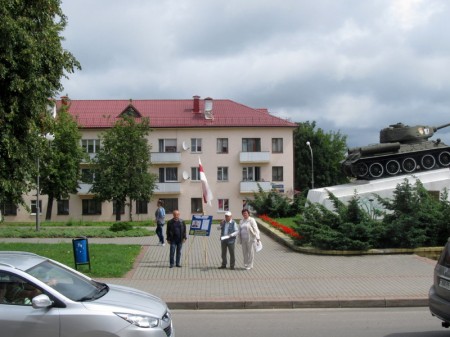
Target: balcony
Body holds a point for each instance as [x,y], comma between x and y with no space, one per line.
[167,188]
[84,188]
[252,186]
[90,157]
[165,158]
[254,157]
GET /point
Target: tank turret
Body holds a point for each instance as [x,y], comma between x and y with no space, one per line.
[402,149]
[408,134]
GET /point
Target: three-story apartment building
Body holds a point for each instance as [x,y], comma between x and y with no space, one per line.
[240,148]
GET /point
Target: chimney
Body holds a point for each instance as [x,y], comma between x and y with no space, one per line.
[65,100]
[208,108]
[196,108]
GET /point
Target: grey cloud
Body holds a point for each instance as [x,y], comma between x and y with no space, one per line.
[353,66]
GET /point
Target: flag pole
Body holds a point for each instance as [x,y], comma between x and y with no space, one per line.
[206,199]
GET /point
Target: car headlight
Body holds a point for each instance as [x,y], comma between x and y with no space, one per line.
[139,320]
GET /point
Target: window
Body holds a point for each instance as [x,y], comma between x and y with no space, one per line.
[9,209]
[63,207]
[195,173]
[277,173]
[222,173]
[251,173]
[196,205]
[251,144]
[87,176]
[167,145]
[92,207]
[196,145]
[223,205]
[33,206]
[122,208]
[170,204]
[90,145]
[141,207]
[444,258]
[168,174]
[15,290]
[222,145]
[277,145]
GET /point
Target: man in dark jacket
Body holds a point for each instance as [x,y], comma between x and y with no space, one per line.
[176,236]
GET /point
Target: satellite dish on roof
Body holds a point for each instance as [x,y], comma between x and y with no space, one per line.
[185,146]
[185,175]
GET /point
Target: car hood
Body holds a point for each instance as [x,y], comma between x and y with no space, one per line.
[125,299]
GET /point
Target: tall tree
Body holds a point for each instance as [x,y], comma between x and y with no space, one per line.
[122,164]
[328,150]
[60,167]
[32,63]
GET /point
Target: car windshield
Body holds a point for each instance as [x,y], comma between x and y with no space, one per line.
[70,284]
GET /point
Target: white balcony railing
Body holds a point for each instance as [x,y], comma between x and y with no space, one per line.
[167,188]
[166,157]
[90,157]
[254,157]
[84,188]
[252,186]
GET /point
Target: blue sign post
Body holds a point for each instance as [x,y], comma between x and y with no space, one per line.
[200,225]
[81,251]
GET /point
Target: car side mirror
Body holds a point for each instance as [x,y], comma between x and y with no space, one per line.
[41,301]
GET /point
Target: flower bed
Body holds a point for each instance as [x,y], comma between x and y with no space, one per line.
[285,229]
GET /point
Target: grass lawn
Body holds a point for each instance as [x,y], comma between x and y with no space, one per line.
[286,221]
[73,223]
[107,260]
[70,232]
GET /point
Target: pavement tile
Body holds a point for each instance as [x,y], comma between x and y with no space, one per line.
[281,278]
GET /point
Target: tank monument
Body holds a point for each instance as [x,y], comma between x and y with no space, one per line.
[404,152]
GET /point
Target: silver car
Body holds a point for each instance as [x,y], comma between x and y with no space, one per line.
[40,297]
[439,295]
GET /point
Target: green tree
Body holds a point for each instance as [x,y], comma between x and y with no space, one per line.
[60,167]
[275,204]
[348,227]
[414,217]
[122,164]
[32,63]
[328,151]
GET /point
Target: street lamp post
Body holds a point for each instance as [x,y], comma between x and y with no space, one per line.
[312,164]
[372,211]
[49,138]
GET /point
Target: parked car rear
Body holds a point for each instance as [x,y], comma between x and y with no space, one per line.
[439,294]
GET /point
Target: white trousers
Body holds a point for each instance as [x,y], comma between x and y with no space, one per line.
[249,253]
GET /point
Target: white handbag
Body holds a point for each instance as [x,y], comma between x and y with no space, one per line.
[258,246]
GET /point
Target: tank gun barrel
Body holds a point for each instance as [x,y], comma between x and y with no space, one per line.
[441,126]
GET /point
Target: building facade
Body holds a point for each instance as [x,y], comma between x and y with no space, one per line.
[240,148]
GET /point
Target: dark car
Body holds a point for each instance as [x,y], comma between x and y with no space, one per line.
[439,294]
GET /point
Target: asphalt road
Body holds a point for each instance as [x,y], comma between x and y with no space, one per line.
[379,322]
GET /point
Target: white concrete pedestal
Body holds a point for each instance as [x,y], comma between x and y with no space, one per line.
[435,180]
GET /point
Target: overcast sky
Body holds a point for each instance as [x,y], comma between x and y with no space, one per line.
[353,66]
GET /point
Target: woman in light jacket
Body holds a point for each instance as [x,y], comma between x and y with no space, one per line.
[247,236]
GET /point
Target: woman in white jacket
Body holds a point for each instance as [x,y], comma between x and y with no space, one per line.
[247,236]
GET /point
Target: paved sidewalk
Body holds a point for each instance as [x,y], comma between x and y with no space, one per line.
[281,278]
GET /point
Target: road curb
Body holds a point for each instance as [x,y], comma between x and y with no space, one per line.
[306,304]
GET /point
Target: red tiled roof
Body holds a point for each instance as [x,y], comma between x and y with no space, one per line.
[172,113]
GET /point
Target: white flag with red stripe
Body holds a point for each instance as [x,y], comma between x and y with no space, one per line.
[207,194]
